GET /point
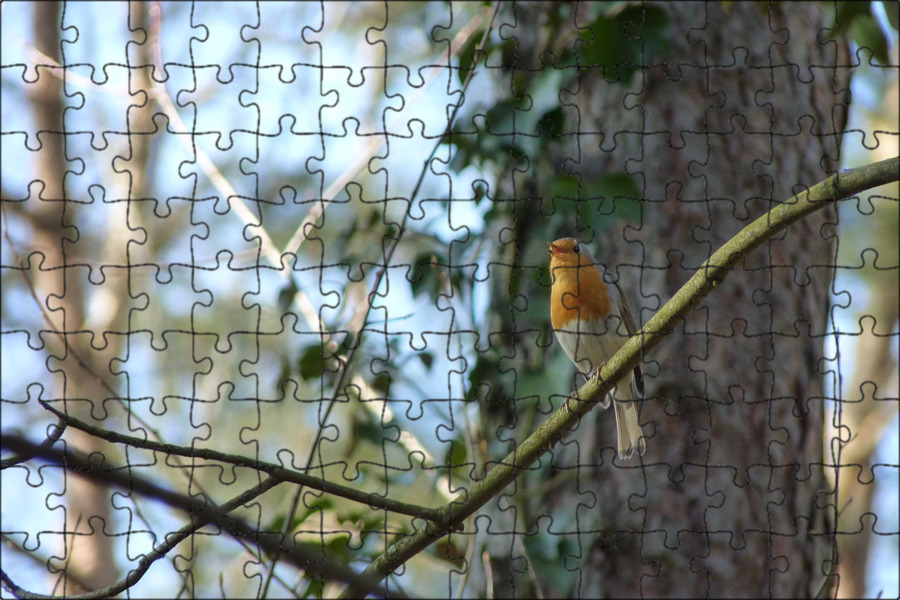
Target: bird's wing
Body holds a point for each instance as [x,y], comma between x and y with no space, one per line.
[631,328]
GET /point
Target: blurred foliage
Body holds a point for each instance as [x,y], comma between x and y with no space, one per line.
[520,129]
[521,135]
[858,19]
[485,281]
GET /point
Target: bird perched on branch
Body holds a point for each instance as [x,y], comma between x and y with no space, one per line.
[591,322]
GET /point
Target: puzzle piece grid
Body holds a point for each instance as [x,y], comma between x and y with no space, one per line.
[216,270]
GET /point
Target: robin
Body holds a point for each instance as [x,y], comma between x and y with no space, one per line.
[581,305]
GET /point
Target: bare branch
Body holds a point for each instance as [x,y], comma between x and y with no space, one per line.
[273,470]
[203,512]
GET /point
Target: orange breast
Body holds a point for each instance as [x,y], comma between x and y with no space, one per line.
[577,292]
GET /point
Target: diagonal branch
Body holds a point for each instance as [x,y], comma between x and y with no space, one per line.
[579,403]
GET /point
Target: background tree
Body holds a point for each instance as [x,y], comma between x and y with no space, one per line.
[248,242]
[699,110]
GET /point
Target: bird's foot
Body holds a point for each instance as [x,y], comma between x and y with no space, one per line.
[596,373]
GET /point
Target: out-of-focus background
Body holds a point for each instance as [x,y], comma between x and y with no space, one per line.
[217,261]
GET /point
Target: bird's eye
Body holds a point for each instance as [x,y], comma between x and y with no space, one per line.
[576,249]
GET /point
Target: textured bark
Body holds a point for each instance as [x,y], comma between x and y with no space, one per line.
[731,499]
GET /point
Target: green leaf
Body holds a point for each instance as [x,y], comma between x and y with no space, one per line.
[847,12]
[375,432]
[615,185]
[485,380]
[866,32]
[323,504]
[457,454]
[468,54]
[654,32]
[286,295]
[551,123]
[624,42]
[565,186]
[424,277]
[480,192]
[892,10]
[381,383]
[857,20]
[499,119]
[312,363]
[596,202]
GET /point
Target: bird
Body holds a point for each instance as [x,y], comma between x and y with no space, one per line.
[586,315]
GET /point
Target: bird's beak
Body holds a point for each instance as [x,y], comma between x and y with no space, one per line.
[554,250]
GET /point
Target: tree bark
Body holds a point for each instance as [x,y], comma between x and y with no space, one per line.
[744,109]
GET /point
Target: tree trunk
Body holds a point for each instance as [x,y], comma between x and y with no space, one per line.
[79,361]
[743,110]
[86,556]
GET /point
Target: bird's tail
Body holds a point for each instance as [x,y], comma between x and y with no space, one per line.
[629,430]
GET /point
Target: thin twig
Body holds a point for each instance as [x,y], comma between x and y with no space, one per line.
[198,521]
[203,511]
[363,315]
[274,470]
[54,436]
